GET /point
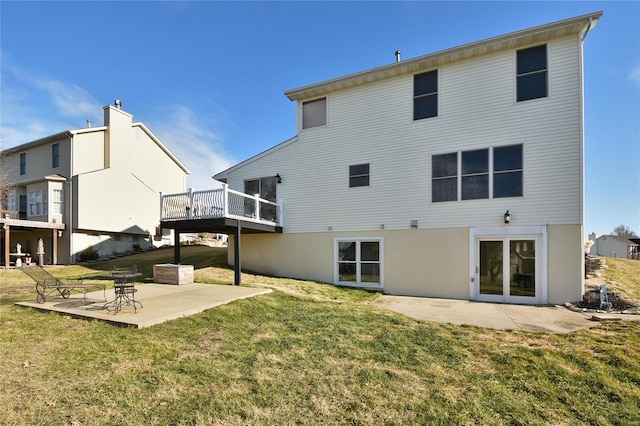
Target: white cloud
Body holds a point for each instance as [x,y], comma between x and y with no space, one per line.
[192,139]
[35,106]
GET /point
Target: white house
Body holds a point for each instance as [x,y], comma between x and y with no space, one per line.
[92,189]
[614,246]
[458,174]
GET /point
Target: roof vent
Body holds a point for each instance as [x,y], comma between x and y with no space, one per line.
[398,56]
[88,124]
[118,103]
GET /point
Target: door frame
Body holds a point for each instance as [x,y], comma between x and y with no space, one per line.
[539,233]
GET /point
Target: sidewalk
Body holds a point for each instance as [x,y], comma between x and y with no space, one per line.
[550,319]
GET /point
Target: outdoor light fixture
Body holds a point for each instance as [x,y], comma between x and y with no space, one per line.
[278,178]
[507,217]
[414,224]
[382,226]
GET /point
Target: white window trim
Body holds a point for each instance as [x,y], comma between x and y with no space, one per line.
[510,232]
[336,274]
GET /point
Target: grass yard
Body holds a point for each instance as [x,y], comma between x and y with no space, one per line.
[308,353]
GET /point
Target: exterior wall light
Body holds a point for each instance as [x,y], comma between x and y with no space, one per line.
[414,224]
[507,217]
[278,178]
[382,226]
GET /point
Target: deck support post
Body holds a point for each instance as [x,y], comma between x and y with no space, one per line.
[7,245]
[176,247]
[236,253]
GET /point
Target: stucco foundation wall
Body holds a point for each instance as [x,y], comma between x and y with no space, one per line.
[418,262]
[565,263]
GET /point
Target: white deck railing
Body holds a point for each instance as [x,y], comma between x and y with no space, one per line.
[219,203]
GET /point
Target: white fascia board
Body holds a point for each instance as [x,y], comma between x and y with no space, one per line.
[222,176]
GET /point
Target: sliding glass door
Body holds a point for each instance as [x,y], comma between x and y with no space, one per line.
[507,269]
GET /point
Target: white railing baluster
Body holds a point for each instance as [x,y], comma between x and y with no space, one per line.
[217,203]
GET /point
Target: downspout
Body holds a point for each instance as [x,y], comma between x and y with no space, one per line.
[70,207]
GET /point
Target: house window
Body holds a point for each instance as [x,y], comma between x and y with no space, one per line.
[359,261]
[444,174]
[507,171]
[477,176]
[37,203]
[266,189]
[23,164]
[425,95]
[532,73]
[359,175]
[58,203]
[55,155]
[314,113]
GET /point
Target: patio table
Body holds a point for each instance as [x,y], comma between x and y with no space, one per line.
[124,288]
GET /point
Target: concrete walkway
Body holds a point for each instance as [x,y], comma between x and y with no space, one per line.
[553,319]
[161,303]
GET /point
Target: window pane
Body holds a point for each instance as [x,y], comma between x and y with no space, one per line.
[369,251]
[347,250]
[314,113]
[347,272]
[522,264]
[252,187]
[425,83]
[268,188]
[359,169]
[358,181]
[444,165]
[507,158]
[532,59]
[475,161]
[475,187]
[532,86]
[370,273]
[425,107]
[507,185]
[444,190]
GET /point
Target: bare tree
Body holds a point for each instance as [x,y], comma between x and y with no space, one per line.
[624,231]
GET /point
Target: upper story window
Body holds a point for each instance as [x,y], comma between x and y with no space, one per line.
[314,113]
[58,202]
[444,177]
[425,95]
[55,155]
[23,164]
[359,175]
[37,203]
[532,73]
[475,176]
[507,171]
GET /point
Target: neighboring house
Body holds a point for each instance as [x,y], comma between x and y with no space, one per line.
[615,246]
[458,174]
[88,189]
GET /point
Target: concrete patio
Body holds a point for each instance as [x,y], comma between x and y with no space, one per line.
[161,303]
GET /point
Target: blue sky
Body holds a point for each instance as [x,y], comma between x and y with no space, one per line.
[208,77]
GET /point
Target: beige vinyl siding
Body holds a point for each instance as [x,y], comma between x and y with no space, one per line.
[477,109]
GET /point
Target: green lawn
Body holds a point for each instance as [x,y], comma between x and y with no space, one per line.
[308,353]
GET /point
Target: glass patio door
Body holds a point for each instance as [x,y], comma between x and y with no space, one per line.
[507,270]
